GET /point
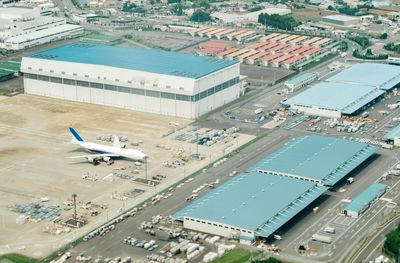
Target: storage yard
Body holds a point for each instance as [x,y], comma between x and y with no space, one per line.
[37,174]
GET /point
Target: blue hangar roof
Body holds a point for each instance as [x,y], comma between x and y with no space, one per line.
[395,132]
[366,197]
[345,97]
[382,76]
[254,201]
[320,158]
[140,59]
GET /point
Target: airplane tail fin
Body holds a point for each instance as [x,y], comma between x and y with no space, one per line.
[116,143]
[75,135]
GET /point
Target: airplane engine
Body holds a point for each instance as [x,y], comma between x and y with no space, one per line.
[106,158]
[123,145]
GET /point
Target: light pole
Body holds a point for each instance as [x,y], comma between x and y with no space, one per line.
[75,215]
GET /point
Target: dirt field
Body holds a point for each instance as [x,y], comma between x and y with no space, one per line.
[33,146]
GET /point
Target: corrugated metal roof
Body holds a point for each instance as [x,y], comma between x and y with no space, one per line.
[382,76]
[323,158]
[140,59]
[253,201]
[366,197]
[300,78]
[347,98]
[395,132]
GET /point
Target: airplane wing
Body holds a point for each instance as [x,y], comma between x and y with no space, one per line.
[94,155]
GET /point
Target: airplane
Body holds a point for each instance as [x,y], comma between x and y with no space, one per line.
[105,152]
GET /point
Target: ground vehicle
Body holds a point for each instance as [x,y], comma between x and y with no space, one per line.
[329,230]
[350,180]
[258,111]
[321,238]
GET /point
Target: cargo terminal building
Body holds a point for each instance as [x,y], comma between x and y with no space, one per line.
[348,92]
[256,204]
[146,80]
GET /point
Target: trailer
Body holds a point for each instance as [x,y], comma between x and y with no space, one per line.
[321,238]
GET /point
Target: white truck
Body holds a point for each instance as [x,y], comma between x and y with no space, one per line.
[350,180]
[329,230]
[394,172]
[258,111]
[321,238]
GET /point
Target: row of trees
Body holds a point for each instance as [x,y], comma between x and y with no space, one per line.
[362,41]
[277,21]
[369,55]
[392,47]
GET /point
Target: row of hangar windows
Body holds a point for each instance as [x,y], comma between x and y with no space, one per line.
[136,91]
[214,224]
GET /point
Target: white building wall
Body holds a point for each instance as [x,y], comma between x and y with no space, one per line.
[317,111]
[133,79]
[216,228]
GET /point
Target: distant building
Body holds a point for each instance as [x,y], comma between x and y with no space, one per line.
[248,17]
[341,20]
[22,28]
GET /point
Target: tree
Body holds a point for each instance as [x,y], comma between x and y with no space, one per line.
[200,16]
[392,244]
[331,8]
[277,21]
[383,36]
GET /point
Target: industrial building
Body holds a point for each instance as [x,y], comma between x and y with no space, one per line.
[393,136]
[361,203]
[145,80]
[22,28]
[348,92]
[341,20]
[300,81]
[275,189]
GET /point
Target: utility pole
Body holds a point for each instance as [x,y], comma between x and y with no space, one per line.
[75,215]
[145,167]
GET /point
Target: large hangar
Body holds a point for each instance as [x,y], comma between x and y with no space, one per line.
[256,204]
[146,80]
[347,92]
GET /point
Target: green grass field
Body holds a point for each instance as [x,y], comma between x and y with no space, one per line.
[16,258]
[235,256]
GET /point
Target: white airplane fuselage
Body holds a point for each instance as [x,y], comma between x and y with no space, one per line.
[132,154]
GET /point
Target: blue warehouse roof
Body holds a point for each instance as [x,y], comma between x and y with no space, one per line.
[345,97]
[321,158]
[395,132]
[366,197]
[254,201]
[382,76]
[350,89]
[140,59]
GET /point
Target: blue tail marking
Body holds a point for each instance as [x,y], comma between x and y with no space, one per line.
[76,135]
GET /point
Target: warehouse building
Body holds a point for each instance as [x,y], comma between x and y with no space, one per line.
[256,204]
[318,159]
[22,28]
[364,200]
[145,80]
[341,20]
[393,136]
[348,92]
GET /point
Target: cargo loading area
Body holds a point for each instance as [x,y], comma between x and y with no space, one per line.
[275,189]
